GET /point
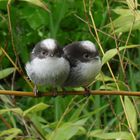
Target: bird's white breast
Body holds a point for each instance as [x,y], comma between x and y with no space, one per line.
[83,74]
[48,71]
[89,70]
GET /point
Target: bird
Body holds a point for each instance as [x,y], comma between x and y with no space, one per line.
[85,64]
[47,66]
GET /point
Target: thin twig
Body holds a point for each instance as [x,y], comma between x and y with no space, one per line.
[7,124]
[11,32]
[16,67]
[61,93]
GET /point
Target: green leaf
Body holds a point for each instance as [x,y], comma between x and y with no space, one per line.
[10,134]
[39,122]
[0,52]
[38,3]
[124,12]
[3,4]
[5,99]
[58,13]
[112,86]
[36,108]
[132,4]
[127,18]
[103,77]
[4,73]
[77,113]
[112,52]
[67,130]
[114,135]
[131,114]
[15,110]
[36,19]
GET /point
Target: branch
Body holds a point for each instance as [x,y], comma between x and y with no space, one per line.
[92,92]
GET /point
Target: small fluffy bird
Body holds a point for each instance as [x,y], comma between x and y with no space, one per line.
[47,66]
[85,63]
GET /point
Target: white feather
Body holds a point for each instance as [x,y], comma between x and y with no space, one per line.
[88,44]
[49,43]
[49,71]
[84,73]
[89,70]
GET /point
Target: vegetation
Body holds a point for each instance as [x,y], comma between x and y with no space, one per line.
[114,26]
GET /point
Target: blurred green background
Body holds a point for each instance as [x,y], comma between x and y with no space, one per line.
[114,26]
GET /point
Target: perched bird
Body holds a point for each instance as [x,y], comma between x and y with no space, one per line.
[85,63]
[47,66]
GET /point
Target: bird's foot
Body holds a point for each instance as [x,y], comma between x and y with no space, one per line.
[35,91]
[54,92]
[87,92]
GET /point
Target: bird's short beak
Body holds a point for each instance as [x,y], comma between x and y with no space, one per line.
[97,57]
[51,54]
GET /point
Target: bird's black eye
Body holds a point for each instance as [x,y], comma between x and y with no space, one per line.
[85,55]
[44,53]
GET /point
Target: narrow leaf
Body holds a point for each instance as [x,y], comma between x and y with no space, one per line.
[131,114]
[103,77]
[39,3]
[6,72]
[10,134]
[0,52]
[15,110]
[36,108]
[112,135]
[132,4]
[112,52]
[67,130]
[127,18]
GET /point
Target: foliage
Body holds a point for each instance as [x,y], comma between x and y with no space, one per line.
[114,26]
